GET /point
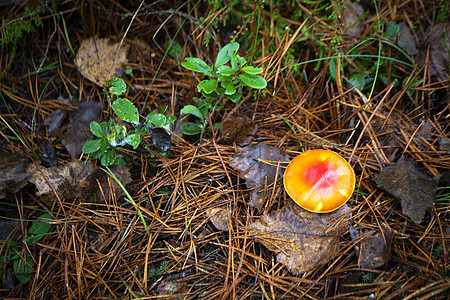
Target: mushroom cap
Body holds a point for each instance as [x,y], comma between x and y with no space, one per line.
[319,180]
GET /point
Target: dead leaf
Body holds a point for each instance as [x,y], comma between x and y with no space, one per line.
[405,40]
[437,40]
[78,132]
[54,121]
[257,164]
[373,249]
[405,181]
[171,287]
[13,174]
[444,144]
[95,59]
[99,184]
[301,239]
[66,180]
[238,130]
[352,18]
[219,218]
[48,154]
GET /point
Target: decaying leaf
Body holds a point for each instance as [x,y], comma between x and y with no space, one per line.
[48,154]
[13,174]
[437,41]
[238,130]
[66,180]
[219,218]
[258,165]
[405,40]
[444,144]
[78,132]
[302,240]
[352,18]
[373,248]
[95,59]
[405,181]
[99,184]
[171,287]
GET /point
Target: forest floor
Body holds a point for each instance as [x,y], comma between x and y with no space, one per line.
[209,218]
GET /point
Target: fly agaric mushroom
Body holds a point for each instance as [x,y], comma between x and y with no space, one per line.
[319,180]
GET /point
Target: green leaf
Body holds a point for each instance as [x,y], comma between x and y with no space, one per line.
[358,79]
[208,86]
[391,30]
[23,268]
[91,146]
[252,70]
[253,81]
[126,110]
[96,129]
[157,120]
[235,97]
[230,89]
[233,60]
[133,139]
[116,86]
[332,68]
[242,61]
[191,109]
[225,71]
[190,128]
[222,56]
[197,65]
[116,134]
[39,228]
[108,158]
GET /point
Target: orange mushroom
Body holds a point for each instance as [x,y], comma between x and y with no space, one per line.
[319,180]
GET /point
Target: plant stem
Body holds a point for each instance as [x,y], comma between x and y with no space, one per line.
[221,96]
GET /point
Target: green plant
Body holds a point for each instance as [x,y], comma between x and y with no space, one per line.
[21,260]
[367,277]
[113,134]
[227,77]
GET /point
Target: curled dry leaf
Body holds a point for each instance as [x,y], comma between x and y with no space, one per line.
[76,133]
[13,174]
[301,239]
[219,218]
[238,130]
[257,164]
[417,191]
[374,247]
[95,59]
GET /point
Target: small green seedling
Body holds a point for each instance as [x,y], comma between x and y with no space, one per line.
[21,260]
[112,134]
[227,77]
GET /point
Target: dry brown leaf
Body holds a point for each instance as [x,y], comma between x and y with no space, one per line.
[99,184]
[437,40]
[352,18]
[13,174]
[78,132]
[95,59]
[238,130]
[405,40]
[374,248]
[405,181]
[172,288]
[257,164]
[66,180]
[219,218]
[301,239]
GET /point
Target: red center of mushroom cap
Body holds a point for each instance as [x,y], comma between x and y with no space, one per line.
[319,180]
